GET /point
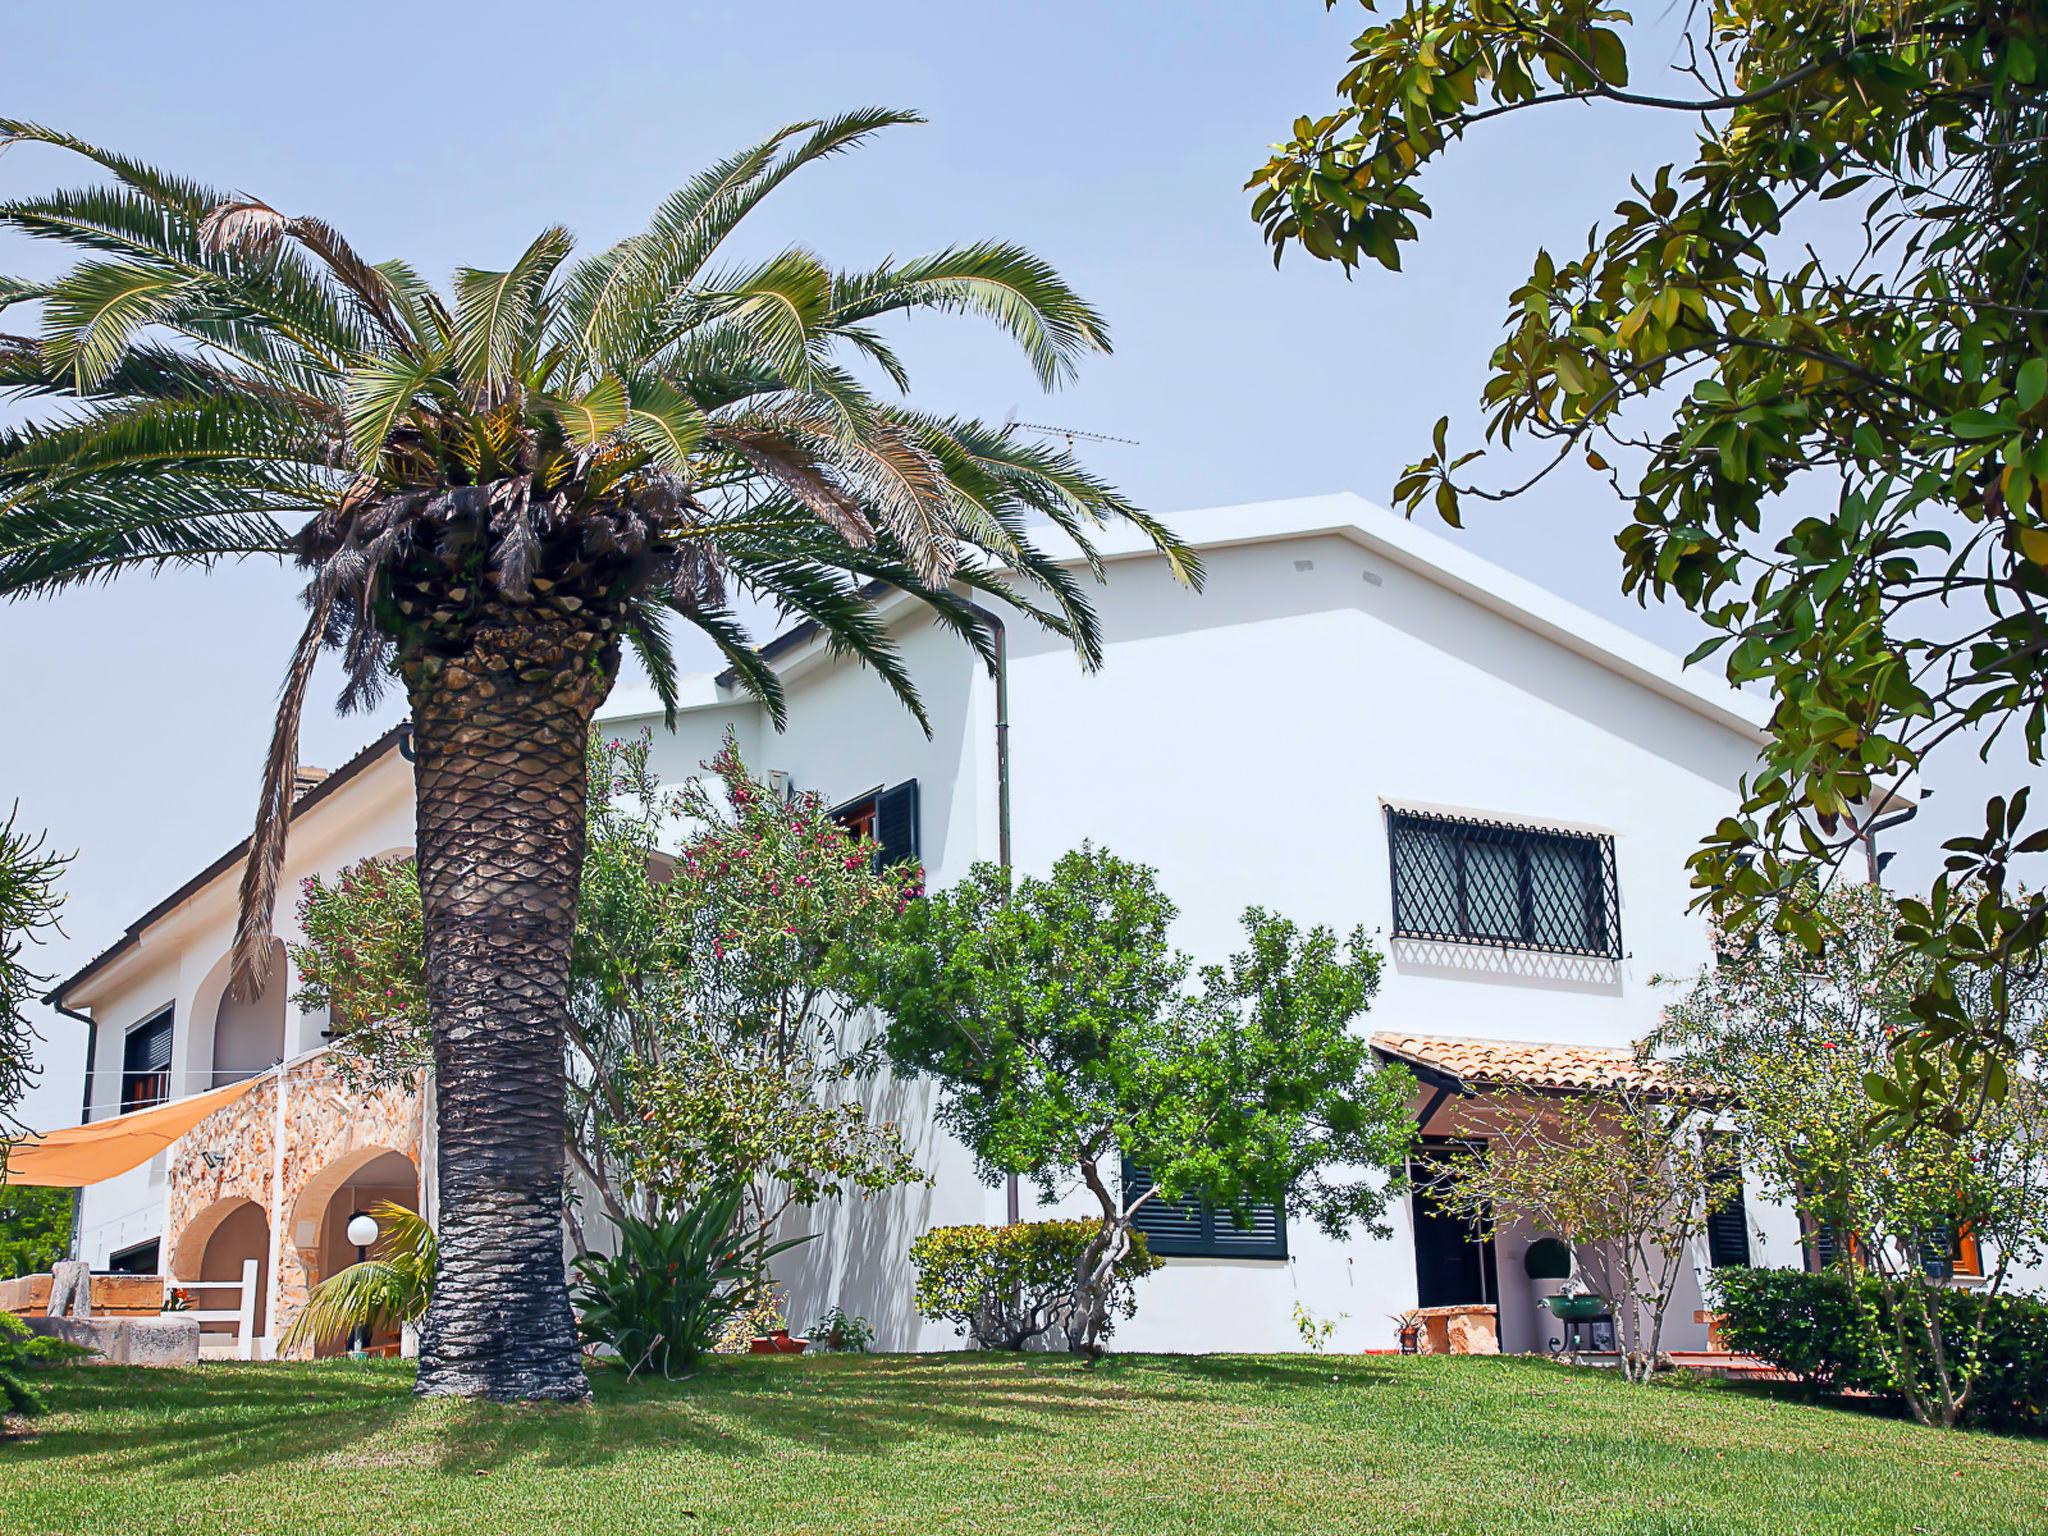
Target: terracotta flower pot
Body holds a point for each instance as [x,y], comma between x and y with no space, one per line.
[778,1343]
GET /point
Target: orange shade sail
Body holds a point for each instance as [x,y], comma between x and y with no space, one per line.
[86,1154]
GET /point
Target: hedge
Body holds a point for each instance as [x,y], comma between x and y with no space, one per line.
[1004,1287]
[1826,1331]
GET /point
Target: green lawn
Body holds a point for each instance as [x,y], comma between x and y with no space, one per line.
[965,1443]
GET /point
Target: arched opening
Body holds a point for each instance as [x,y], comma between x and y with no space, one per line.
[361,1181]
[238,1037]
[214,1246]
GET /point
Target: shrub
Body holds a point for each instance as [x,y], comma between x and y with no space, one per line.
[1832,1335]
[1803,1324]
[1005,1286]
[664,1297]
[20,1349]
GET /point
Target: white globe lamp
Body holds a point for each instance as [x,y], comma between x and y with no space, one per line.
[362,1230]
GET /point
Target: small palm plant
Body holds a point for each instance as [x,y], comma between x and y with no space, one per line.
[389,1290]
[491,493]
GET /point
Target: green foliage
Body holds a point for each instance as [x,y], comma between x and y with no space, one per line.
[1889,350]
[1830,1329]
[1805,1324]
[842,1332]
[1797,1041]
[20,1350]
[660,1301]
[706,990]
[388,1290]
[1005,1287]
[29,904]
[1064,1031]
[35,1227]
[364,961]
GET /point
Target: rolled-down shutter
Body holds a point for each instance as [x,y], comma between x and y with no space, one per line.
[1188,1228]
[896,825]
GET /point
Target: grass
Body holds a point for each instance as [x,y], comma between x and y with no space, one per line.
[974,1443]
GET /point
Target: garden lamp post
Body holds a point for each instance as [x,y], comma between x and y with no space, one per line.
[362,1231]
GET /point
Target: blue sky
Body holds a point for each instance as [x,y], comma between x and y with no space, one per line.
[1114,138]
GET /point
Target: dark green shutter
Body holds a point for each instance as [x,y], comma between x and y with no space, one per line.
[1728,1224]
[1189,1228]
[896,825]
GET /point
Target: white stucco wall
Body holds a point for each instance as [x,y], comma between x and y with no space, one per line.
[1244,741]
[182,961]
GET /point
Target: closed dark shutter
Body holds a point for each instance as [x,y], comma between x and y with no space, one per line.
[1820,1246]
[896,824]
[1728,1223]
[146,1064]
[1188,1228]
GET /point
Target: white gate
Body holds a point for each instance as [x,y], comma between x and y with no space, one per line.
[242,1315]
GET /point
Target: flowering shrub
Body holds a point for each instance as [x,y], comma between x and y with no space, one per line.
[1003,1287]
[1796,1038]
[706,1020]
[363,960]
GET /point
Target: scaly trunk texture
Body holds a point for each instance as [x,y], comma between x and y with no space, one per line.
[501,729]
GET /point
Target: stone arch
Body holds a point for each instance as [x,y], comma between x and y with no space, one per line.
[311,1209]
[237,1038]
[214,1245]
[360,1179]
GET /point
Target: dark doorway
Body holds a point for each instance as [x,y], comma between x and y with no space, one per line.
[1453,1267]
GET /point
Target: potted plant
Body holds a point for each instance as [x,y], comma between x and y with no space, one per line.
[843,1332]
[1408,1330]
[771,1331]
[1548,1264]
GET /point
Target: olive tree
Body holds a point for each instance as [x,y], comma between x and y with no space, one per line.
[1792,1038]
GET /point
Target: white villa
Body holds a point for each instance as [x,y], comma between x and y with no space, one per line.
[1357,722]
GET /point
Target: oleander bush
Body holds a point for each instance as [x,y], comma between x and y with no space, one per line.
[1004,1287]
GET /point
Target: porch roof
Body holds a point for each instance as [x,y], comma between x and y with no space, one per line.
[1470,1062]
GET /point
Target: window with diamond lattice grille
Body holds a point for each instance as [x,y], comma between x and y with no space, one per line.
[1466,880]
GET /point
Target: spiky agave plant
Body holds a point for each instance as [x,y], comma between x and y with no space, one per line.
[491,492]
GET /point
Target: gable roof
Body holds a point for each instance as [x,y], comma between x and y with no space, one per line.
[375,751]
[1402,542]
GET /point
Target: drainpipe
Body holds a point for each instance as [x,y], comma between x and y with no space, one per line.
[1000,670]
[1885,824]
[92,1045]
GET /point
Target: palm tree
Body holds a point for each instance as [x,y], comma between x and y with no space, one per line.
[388,1290]
[491,492]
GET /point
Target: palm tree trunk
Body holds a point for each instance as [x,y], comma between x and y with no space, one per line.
[501,729]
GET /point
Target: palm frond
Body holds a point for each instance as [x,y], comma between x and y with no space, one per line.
[391,1289]
[159,186]
[94,309]
[665,423]
[779,306]
[265,862]
[646,635]
[498,314]
[1004,283]
[381,389]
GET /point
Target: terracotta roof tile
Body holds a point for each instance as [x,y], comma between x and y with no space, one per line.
[1523,1063]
